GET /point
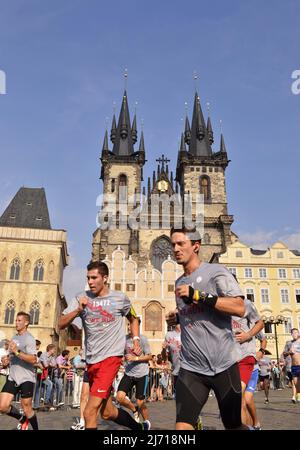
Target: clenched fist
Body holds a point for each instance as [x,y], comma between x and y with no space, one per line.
[82,302]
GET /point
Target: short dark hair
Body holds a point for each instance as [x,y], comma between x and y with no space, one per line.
[37,342]
[192,233]
[294,329]
[65,353]
[101,266]
[24,314]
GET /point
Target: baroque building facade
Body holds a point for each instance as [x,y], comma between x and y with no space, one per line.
[32,260]
[271,279]
[136,215]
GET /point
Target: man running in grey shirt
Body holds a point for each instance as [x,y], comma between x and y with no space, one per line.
[102,311]
[21,377]
[136,374]
[206,296]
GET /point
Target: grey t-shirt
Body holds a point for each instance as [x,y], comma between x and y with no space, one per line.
[207,341]
[21,371]
[264,366]
[173,341]
[47,360]
[243,325]
[103,324]
[137,369]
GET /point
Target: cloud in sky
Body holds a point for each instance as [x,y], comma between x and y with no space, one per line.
[262,239]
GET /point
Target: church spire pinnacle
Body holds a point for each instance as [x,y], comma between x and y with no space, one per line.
[187,130]
[199,143]
[105,143]
[222,145]
[113,131]
[123,140]
[182,144]
[142,144]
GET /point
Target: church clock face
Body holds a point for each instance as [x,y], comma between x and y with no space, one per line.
[162,186]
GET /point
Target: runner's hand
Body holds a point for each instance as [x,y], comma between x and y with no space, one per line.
[183,290]
[242,337]
[12,346]
[82,302]
[171,318]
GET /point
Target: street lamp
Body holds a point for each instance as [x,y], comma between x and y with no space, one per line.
[275,321]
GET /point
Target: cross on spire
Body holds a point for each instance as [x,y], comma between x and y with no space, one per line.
[163,160]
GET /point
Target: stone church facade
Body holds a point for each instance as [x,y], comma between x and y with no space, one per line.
[133,236]
[32,260]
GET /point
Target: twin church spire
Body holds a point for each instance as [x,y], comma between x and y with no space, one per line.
[198,137]
[124,135]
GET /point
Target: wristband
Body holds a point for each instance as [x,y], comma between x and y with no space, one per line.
[136,358]
[195,296]
[135,338]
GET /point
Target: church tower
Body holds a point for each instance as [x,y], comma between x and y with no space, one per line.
[200,170]
[135,218]
[122,174]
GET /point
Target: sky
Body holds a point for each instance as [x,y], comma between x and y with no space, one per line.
[64,63]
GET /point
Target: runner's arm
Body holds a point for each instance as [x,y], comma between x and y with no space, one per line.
[66,319]
[247,336]
[31,359]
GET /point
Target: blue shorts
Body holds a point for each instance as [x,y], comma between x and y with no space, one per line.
[295,371]
[251,386]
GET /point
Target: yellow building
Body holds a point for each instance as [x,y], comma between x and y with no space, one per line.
[32,259]
[271,279]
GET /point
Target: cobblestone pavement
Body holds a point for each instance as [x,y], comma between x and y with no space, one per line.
[279,414]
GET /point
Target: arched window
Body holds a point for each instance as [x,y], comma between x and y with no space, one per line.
[161,249]
[113,184]
[122,187]
[34,313]
[153,317]
[204,183]
[10,310]
[15,269]
[38,273]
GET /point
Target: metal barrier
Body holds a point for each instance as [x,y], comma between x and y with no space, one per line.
[58,390]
